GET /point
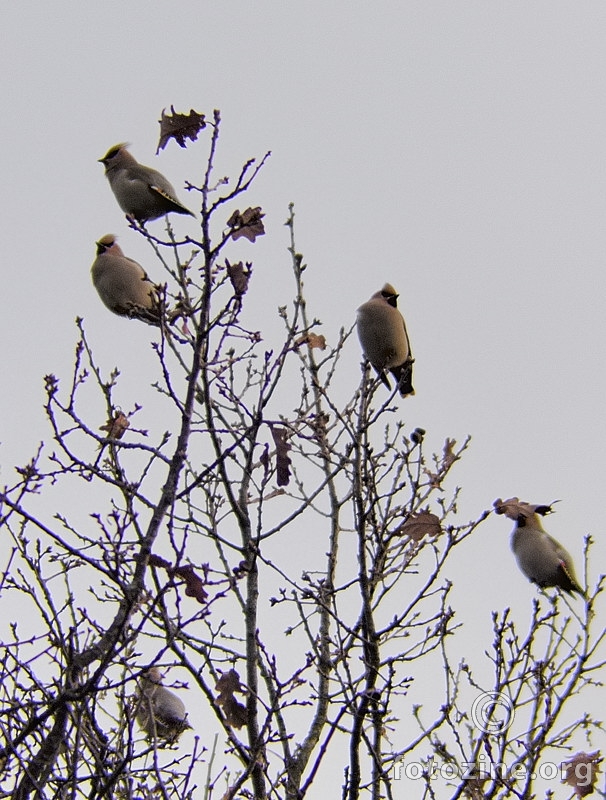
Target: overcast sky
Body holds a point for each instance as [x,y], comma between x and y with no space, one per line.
[454,149]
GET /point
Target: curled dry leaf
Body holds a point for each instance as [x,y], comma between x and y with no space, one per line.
[582,772]
[419,525]
[283,461]
[248,224]
[239,276]
[227,685]
[179,127]
[116,426]
[313,340]
[513,508]
[194,584]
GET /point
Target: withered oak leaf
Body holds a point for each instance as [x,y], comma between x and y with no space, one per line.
[248,224]
[116,426]
[194,584]
[424,523]
[582,772]
[283,462]
[313,340]
[239,276]
[179,127]
[514,508]
[235,712]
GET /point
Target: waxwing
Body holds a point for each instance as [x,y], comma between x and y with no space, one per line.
[122,283]
[540,557]
[160,713]
[141,192]
[384,340]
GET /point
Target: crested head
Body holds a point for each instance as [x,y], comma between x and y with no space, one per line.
[118,150]
[153,674]
[389,294]
[105,243]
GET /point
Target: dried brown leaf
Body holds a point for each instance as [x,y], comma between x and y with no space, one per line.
[313,340]
[280,436]
[239,276]
[227,685]
[582,772]
[116,426]
[248,224]
[419,525]
[179,127]
[194,584]
[513,508]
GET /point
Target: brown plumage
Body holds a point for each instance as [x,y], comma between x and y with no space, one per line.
[540,557]
[141,192]
[123,284]
[160,713]
[384,338]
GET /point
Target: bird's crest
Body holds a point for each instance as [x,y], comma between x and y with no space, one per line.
[113,151]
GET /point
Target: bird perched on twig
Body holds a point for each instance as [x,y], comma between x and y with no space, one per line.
[540,557]
[123,284]
[160,713]
[384,339]
[142,192]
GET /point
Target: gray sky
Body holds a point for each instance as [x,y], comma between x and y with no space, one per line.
[455,149]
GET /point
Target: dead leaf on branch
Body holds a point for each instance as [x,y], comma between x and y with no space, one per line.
[313,340]
[283,462]
[513,508]
[116,426]
[227,685]
[419,525]
[179,127]
[248,224]
[239,276]
[194,584]
[582,772]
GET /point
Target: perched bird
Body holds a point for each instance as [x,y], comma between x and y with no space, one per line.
[160,713]
[141,192]
[384,340]
[540,557]
[122,283]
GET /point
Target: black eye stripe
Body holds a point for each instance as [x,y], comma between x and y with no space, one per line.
[392,299]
